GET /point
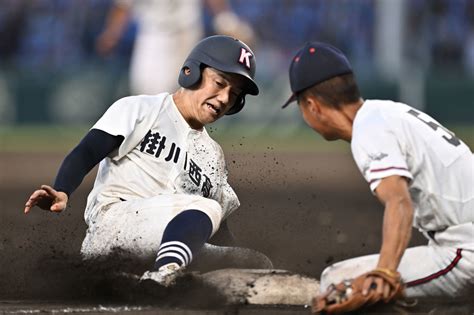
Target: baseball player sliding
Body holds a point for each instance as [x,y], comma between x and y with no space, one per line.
[161,188]
[420,171]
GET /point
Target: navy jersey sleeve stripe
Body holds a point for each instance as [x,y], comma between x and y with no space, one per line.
[95,146]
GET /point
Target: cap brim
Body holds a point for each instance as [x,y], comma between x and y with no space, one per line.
[290,100]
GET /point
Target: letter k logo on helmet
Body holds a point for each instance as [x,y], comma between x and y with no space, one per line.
[245,57]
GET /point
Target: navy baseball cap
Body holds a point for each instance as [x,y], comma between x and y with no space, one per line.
[314,63]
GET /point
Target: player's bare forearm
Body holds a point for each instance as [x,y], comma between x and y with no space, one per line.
[397,222]
[398,218]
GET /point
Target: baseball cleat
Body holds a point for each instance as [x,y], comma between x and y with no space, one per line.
[165,276]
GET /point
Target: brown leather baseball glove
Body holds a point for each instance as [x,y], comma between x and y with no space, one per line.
[347,295]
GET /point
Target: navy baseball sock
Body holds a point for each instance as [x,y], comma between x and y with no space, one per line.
[185,234]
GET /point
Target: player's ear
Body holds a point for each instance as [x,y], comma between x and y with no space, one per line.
[314,105]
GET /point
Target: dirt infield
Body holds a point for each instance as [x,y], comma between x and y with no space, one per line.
[304,211]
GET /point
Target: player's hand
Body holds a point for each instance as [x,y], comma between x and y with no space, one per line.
[47,199]
[378,286]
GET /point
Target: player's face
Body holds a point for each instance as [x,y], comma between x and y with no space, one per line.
[217,93]
[317,117]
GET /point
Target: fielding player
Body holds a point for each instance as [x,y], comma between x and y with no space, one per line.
[161,189]
[419,170]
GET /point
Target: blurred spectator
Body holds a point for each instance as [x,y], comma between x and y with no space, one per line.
[450,30]
[58,38]
[289,23]
[60,33]
[167,31]
[439,32]
[12,21]
[46,35]
[469,45]
[51,37]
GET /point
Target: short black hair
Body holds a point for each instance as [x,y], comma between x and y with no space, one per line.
[337,91]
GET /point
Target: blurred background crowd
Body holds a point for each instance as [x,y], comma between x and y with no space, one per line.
[417,51]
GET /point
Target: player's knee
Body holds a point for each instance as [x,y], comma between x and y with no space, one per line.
[346,269]
[206,204]
[211,208]
[333,274]
[326,278]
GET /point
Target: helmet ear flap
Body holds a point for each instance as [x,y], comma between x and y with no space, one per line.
[190,74]
[239,104]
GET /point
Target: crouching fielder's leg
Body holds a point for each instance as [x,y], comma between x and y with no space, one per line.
[427,271]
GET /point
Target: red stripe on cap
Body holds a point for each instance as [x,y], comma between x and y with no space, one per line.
[439,273]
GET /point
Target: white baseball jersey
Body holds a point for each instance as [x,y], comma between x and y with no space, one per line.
[160,155]
[392,138]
